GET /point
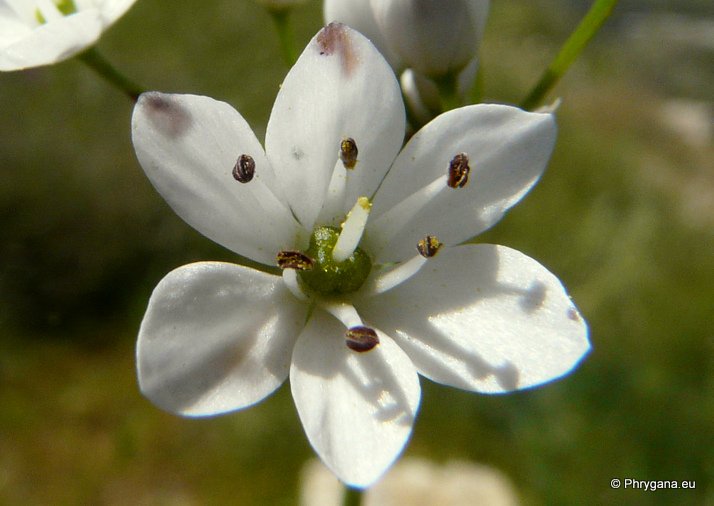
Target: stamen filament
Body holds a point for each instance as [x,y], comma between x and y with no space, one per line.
[335,196]
[383,282]
[290,278]
[344,312]
[352,230]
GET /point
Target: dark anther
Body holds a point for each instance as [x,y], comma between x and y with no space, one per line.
[348,152]
[295,260]
[459,171]
[244,169]
[429,246]
[361,339]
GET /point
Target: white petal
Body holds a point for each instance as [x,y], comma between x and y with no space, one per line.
[358,15]
[484,318]
[51,42]
[508,150]
[188,146]
[340,87]
[357,408]
[429,37]
[21,10]
[216,337]
[12,28]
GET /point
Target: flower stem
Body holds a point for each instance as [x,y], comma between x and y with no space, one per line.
[281,18]
[475,94]
[94,60]
[352,497]
[449,92]
[586,30]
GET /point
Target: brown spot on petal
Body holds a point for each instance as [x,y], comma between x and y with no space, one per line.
[166,113]
[361,339]
[334,40]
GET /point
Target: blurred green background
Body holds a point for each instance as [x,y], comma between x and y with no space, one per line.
[624,216]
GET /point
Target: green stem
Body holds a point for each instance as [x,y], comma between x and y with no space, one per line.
[572,48]
[281,18]
[352,497]
[94,60]
[476,92]
[449,92]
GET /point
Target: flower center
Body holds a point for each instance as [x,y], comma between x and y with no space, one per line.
[329,276]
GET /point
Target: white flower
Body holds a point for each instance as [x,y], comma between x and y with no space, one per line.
[42,32]
[416,482]
[351,334]
[433,37]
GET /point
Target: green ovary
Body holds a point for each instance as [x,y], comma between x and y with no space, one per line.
[329,277]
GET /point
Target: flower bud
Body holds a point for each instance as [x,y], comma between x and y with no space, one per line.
[421,94]
[434,37]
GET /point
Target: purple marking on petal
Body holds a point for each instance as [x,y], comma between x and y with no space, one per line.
[335,39]
[573,314]
[166,113]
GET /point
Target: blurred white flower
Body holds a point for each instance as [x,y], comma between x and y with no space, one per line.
[42,32]
[432,37]
[416,482]
[375,285]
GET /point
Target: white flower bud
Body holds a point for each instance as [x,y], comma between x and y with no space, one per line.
[421,94]
[434,37]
